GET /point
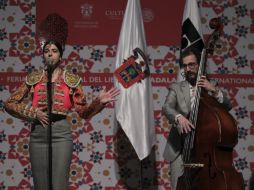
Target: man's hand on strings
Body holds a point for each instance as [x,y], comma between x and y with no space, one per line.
[185,125]
[203,82]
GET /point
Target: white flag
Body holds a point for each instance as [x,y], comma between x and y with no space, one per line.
[192,35]
[134,106]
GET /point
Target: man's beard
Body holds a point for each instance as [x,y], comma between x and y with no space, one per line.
[191,77]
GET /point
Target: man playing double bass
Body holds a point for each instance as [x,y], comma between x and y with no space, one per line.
[178,104]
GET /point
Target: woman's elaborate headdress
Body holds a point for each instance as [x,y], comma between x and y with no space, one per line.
[53,28]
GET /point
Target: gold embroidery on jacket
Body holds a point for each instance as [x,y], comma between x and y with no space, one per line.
[17,106]
[71,79]
[34,77]
[59,92]
[58,102]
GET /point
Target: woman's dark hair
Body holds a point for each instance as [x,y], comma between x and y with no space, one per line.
[58,45]
[190,51]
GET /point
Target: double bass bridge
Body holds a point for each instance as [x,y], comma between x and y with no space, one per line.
[193,165]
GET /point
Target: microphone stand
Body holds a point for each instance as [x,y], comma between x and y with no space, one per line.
[49,97]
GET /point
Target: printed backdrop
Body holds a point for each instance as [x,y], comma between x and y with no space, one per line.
[104,18]
[103,157]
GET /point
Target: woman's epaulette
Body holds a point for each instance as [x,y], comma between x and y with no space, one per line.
[34,77]
[71,79]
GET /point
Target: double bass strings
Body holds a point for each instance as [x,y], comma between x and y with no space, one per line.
[190,137]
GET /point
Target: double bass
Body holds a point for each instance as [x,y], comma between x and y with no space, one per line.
[208,149]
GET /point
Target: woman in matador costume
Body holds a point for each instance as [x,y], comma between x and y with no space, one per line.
[67,93]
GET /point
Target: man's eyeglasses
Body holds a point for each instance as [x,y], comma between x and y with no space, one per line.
[190,65]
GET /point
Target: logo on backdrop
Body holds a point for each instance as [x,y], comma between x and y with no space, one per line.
[86,10]
[148,15]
